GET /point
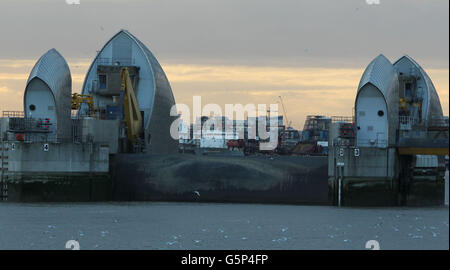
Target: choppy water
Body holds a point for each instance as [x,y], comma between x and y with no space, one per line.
[219,226]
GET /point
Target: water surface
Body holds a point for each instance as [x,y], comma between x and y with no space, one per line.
[157,226]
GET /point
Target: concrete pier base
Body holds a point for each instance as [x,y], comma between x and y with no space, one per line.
[252,179]
[386,192]
[58,187]
[426,193]
[364,192]
[188,178]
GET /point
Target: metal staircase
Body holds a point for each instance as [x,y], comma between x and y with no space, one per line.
[3,171]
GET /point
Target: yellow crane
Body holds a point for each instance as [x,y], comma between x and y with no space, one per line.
[78,99]
[133,118]
[132,112]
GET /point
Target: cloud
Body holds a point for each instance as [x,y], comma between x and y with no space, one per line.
[10,100]
[263,76]
[305,91]
[10,63]
[13,76]
[262,32]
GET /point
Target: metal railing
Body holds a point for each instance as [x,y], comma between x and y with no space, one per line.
[438,122]
[39,137]
[13,114]
[77,130]
[343,142]
[35,130]
[373,142]
[27,125]
[407,122]
[413,123]
[115,62]
[342,119]
[75,115]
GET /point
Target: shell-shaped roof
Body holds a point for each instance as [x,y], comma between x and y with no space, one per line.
[161,83]
[52,68]
[160,75]
[379,73]
[153,91]
[433,105]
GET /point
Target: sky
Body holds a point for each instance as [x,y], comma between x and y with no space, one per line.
[310,52]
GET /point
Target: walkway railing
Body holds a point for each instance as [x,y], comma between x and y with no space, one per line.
[36,130]
[115,62]
[413,123]
[342,119]
[13,114]
[438,122]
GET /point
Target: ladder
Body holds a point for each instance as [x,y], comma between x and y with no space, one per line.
[3,171]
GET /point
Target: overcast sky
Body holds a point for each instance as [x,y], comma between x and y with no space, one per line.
[296,34]
[252,32]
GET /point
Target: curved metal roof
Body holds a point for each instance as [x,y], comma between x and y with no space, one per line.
[161,81]
[379,73]
[160,76]
[159,120]
[52,68]
[433,102]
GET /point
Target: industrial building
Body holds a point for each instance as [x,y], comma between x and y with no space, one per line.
[48,95]
[399,127]
[153,92]
[376,106]
[210,134]
[62,142]
[112,141]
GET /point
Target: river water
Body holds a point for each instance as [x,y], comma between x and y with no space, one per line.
[162,226]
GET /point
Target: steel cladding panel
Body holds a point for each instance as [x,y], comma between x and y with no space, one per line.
[372,126]
[381,74]
[121,48]
[432,106]
[154,93]
[40,102]
[53,71]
